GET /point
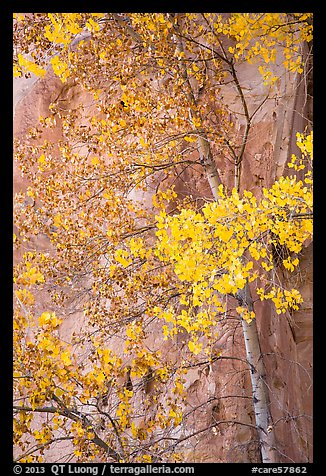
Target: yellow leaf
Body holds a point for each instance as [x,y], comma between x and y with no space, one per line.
[142,142]
[58,392]
[196,121]
[92,26]
[65,357]
[100,378]
[95,161]
[16,71]
[190,138]
[30,192]
[57,220]
[121,256]
[195,348]
[30,66]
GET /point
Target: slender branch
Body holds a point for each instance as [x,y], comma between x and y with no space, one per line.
[130,31]
[51,409]
[215,359]
[211,49]
[220,422]
[213,399]
[247,128]
[288,418]
[42,446]
[74,415]
[116,431]
[258,107]
[304,216]
[164,166]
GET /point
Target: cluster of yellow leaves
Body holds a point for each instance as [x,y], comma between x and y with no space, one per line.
[25,296]
[230,242]
[62,27]
[245,313]
[258,36]
[31,276]
[45,370]
[305,144]
[28,65]
[60,68]
[268,77]
[49,320]
[122,257]
[162,197]
[283,300]
[49,359]
[59,29]
[215,251]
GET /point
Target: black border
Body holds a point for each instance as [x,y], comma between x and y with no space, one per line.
[6,332]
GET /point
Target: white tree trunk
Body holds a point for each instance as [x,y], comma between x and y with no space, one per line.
[208,162]
[260,391]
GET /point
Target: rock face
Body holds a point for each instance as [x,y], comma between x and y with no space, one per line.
[286,339]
